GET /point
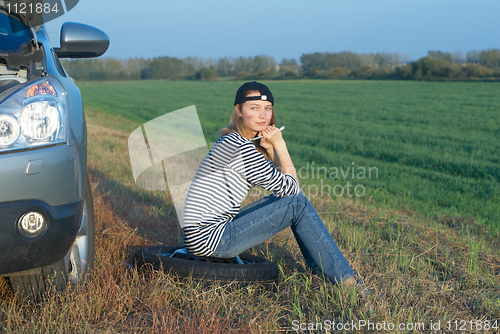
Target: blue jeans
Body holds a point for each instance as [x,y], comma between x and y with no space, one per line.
[262,219]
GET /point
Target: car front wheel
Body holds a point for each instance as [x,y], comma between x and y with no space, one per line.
[80,259]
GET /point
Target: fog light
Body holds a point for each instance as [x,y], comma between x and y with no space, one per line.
[32,225]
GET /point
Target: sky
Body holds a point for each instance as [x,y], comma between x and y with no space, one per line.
[286,29]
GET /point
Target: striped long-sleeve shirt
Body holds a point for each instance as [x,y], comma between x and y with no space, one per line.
[231,168]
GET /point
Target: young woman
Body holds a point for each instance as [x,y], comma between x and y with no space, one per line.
[215,225]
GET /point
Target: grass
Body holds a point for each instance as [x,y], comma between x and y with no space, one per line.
[434,145]
[423,269]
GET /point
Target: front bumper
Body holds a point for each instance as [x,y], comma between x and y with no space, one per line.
[18,253]
[51,181]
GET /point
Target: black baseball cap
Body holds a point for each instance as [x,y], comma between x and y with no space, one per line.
[265,93]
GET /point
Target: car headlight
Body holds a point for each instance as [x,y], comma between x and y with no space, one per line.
[9,130]
[36,115]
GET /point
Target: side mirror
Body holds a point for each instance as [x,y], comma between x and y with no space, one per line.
[81,41]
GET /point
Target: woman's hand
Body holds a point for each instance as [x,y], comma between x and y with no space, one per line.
[271,136]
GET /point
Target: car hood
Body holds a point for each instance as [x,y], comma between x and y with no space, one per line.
[33,19]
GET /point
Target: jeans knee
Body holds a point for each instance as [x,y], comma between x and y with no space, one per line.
[299,200]
[302,198]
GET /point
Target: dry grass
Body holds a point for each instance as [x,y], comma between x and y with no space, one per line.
[421,270]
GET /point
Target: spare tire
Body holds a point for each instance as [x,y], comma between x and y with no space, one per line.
[254,269]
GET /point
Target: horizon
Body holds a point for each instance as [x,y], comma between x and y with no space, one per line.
[208,30]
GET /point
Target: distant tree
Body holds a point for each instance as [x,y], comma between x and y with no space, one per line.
[473,57]
[243,64]
[397,73]
[403,58]
[364,72]
[482,72]
[112,69]
[428,68]
[225,67]
[191,65]
[288,68]
[490,58]
[264,67]
[409,72]
[382,60]
[242,75]
[391,66]
[311,62]
[470,71]
[441,55]
[164,68]
[333,73]
[133,67]
[145,70]
[385,59]
[347,60]
[95,69]
[314,65]
[458,57]
[338,71]
[206,74]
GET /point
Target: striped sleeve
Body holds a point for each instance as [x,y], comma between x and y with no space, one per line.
[222,181]
[252,166]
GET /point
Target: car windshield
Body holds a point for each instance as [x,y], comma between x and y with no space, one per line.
[13,32]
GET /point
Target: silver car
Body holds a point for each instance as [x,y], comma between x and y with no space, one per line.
[46,212]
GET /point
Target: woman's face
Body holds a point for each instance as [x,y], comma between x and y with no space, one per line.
[256,115]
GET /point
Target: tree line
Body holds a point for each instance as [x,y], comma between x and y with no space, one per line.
[437,65]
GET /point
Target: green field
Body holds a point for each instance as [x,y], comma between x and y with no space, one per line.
[416,238]
[432,147]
